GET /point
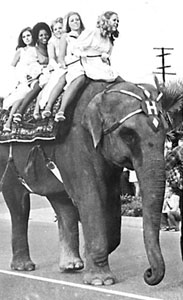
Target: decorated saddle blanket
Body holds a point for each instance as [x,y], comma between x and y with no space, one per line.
[29,129]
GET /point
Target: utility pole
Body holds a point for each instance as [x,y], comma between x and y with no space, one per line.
[163,66]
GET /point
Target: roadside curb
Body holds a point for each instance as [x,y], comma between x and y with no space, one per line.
[46,214]
[132,221]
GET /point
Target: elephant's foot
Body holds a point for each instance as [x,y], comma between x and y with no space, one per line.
[22,265]
[71,264]
[99,277]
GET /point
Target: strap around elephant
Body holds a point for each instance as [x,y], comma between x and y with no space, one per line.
[148,106]
[117,124]
[11,161]
[50,164]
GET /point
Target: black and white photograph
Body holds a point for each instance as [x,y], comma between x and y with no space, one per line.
[91,150]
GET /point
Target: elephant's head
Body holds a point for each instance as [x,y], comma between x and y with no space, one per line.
[120,124]
[125,135]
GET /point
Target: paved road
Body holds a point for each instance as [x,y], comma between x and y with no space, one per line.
[128,263]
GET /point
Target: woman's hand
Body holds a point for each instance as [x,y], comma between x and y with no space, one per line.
[105,57]
[62,64]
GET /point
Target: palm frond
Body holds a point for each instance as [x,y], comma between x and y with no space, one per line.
[172,105]
[172,100]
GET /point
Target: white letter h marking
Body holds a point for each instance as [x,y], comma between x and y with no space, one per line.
[151,107]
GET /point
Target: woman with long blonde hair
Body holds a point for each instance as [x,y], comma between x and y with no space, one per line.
[94,49]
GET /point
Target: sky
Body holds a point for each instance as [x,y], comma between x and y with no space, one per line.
[143,25]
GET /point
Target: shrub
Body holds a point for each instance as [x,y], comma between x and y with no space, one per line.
[131,206]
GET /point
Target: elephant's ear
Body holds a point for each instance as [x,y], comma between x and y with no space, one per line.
[92,119]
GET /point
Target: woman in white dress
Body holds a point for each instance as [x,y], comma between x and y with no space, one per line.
[68,62]
[94,48]
[41,35]
[25,55]
[25,64]
[56,70]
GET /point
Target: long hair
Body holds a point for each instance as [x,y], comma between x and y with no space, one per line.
[105,27]
[67,27]
[21,43]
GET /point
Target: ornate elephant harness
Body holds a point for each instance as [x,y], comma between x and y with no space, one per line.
[148,106]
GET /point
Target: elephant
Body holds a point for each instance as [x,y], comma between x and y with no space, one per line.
[109,126]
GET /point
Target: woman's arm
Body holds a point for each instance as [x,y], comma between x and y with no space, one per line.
[84,42]
[16,58]
[62,51]
[52,56]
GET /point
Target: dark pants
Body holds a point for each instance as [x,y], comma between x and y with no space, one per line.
[164,220]
[170,220]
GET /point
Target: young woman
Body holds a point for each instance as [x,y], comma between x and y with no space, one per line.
[54,42]
[57,72]
[69,63]
[41,34]
[25,64]
[94,48]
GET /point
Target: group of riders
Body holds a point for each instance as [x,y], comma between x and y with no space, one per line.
[56,59]
[53,59]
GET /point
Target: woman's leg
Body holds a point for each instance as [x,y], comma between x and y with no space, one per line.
[36,113]
[69,95]
[28,98]
[55,93]
[18,93]
[7,125]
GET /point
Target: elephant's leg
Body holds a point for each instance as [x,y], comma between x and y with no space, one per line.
[113,216]
[67,216]
[93,218]
[18,202]
[113,226]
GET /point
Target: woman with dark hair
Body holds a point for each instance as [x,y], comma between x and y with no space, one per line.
[57,72]
[94,49]
[23,38]
[41,33]
[25,55]
[68,27]
[68,62]
[24,62]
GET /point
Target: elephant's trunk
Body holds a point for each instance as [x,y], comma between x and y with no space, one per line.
[152,183]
